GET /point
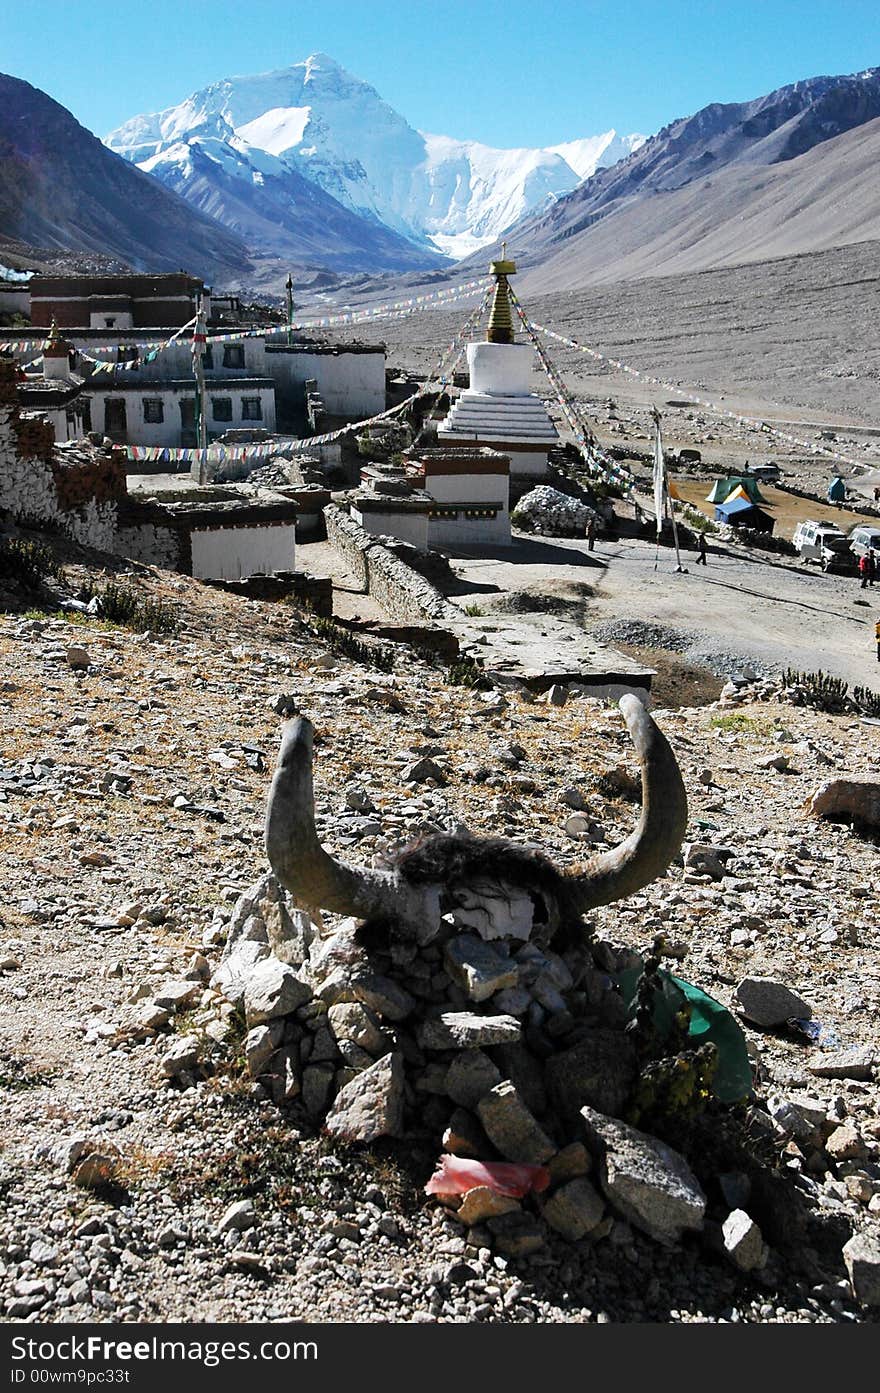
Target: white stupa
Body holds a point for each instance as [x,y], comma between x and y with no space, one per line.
[499,409]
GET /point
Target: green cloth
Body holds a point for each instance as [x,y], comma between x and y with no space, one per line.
[709,1021]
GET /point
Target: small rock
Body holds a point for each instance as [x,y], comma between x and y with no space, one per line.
[778,762]
[705,859]
[557,695]
[382,995]
[850,800]
[317,1080]
[517,1235]
[646,1181]
[857,1063]
[78,658]
[481,1203]
[575,1209]
[569,1163]
[273,989]
[371,1105]
[862,1257]
[743,1241]
[511,1128]
[182,1056]
[421,771]
[845,1143]
[469,1078]
[351,1020]
[461,1030]
[96,1169]
[238,1217]
[767,1002]
[260,1044]
[176,996]
[477,968]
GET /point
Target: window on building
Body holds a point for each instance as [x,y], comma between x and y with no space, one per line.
[109,323]
[233,355]
[251,409]
[221,408]
[208,357]
[154,411]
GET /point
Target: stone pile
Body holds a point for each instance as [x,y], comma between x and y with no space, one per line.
[552,514]
[482,1040]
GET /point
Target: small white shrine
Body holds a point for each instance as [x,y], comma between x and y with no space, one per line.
[499,409]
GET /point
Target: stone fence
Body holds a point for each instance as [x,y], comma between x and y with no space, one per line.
[402,592]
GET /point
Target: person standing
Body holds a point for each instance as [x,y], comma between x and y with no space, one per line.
[701,549]
[872,566]
[591,533]
[863,569]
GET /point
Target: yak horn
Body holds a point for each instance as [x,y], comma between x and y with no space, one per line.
[314,878]
[647,852]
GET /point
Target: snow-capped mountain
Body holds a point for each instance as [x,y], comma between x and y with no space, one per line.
[318,123]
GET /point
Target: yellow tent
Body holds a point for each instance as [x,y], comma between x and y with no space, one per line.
[738,492]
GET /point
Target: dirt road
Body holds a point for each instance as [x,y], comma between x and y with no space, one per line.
[738,608]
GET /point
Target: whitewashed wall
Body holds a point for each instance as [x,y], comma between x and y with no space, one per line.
[351,384]
[407,526]
[230,553]
[468,488]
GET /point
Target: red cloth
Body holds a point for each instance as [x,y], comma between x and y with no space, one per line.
[455,1175]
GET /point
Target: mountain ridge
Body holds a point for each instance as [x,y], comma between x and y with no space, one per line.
[671,206]
[60,188]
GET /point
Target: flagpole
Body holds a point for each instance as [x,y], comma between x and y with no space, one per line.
[199,342]
[661,491]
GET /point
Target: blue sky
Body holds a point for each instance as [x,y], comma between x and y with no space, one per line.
[507,73]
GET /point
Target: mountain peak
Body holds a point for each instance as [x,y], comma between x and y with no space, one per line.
[318,121]
[320,60]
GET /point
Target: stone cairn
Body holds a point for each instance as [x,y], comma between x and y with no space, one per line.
[464,1003]
[552,514]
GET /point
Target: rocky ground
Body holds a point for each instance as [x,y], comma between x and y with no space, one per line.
[133,779]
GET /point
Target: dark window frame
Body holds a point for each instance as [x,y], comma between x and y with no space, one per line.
[226,404]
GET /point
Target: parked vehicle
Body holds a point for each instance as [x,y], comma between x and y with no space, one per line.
[768,472]
[825,543]
[863,539]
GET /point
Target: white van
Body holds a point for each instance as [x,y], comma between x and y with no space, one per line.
[823,542]
[863,539]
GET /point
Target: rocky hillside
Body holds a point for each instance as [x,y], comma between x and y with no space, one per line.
[146,1176]
[60,188]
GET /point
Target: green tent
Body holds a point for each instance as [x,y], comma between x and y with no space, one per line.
[723,488]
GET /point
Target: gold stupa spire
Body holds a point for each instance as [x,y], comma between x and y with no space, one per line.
[501,328]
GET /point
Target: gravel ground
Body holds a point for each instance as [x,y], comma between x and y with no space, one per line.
[131,804]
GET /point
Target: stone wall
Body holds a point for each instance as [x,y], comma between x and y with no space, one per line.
[76,489]
[401,591]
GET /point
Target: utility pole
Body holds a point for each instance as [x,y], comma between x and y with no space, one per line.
[289,287]
[199,343]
